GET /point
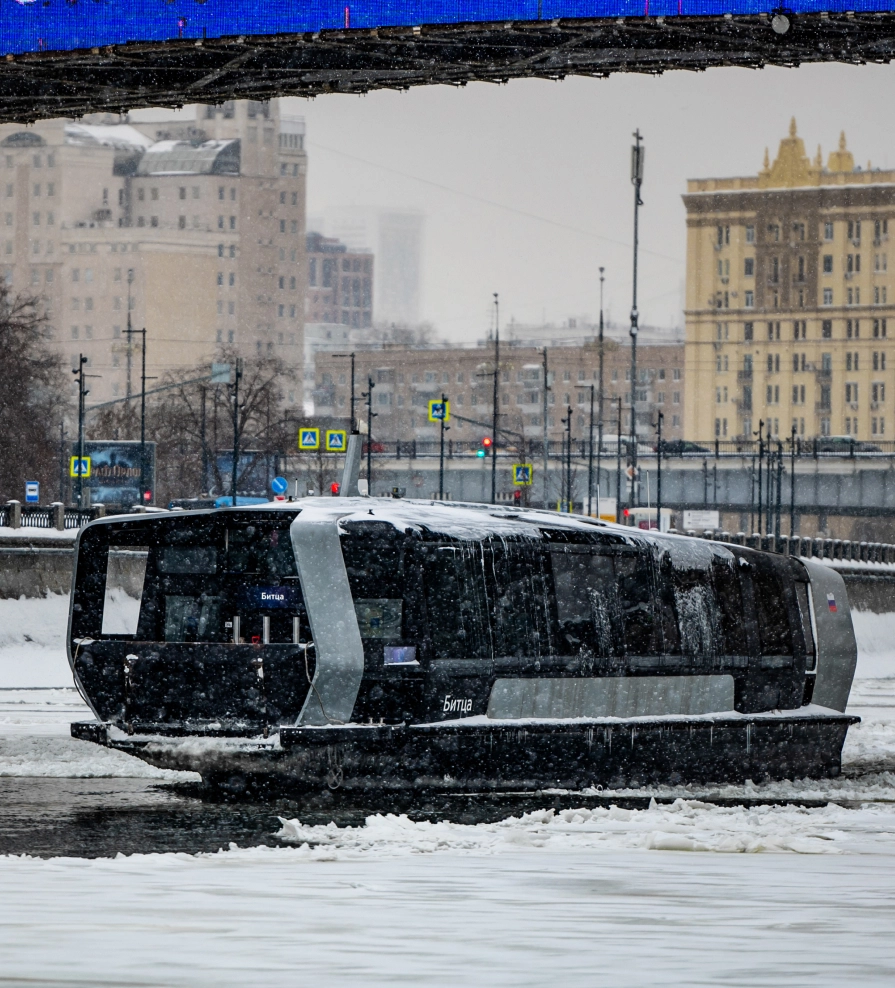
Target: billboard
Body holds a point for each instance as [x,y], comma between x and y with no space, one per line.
[67,25]
[254,472]
[112,473]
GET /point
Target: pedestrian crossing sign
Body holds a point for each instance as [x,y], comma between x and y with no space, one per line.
[336,440]
[522,474]
[79,467]
[439,411]
[309,439]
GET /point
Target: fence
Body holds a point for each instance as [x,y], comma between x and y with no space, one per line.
[55,516]
[673,449]
[840,550]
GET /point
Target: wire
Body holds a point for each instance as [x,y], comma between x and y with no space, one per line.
[491,202]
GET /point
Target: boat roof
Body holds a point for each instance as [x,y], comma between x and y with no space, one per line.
[469,521]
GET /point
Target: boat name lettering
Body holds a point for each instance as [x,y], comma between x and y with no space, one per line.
[457,705]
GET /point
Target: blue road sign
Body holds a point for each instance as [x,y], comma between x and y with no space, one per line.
[522,473]
[32,492]
[279,485]
[336,440]
[309,439]
[439,411]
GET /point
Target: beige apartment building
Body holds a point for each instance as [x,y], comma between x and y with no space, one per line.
[191,221]
[787,310]
[407,379]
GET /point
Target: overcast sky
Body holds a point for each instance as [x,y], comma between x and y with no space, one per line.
[526,187]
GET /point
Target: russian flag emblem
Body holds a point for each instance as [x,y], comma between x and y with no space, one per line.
[831,603]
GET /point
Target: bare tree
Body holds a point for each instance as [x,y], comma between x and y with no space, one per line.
[34,395]
[192,423]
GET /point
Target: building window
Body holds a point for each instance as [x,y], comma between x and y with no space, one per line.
[828,296]
[232,222]
[749,300]
[181,221]
[750,234]
[749,267]
[828,231]
[851,394]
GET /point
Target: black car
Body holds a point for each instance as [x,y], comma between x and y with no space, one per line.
[681,447]
[844,445]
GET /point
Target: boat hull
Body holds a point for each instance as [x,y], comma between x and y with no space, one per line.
[507,756]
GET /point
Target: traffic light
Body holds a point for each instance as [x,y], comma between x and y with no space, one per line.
[487,443]
[334,489]
[517,497]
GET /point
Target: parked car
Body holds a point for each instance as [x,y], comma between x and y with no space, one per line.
[844,445]
[681,447]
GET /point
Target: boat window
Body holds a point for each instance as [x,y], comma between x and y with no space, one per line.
[379,618]
[262,548]
[521,603]
[803,592]
[125,576]
[188,559]
[193,619]
[731,606]
[456,600]
[587,603]
[771,607]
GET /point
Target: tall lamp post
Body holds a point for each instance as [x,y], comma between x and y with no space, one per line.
[82,394]
[444,428]
[496,411]
[368,394]
[659,472]
[600,399]
[353,420]
[235,388]
[637,155]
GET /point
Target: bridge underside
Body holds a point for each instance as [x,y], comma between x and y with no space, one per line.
[116,78]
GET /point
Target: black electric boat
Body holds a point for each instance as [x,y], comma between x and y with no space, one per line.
[378,643]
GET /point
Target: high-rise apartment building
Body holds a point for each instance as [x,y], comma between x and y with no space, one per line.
[192,222]
[787,309]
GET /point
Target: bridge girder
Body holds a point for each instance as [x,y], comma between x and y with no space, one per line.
[117,78]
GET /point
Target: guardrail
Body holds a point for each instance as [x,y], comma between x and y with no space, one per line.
[54,516]
[814,449]
[840,550]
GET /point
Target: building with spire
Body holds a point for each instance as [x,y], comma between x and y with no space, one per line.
[787,299]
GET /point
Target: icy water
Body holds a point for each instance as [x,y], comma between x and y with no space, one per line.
[113,873]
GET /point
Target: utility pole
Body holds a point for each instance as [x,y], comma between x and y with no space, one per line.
[792,485]
[82,394]
[368,394]
[130,281]
[204,485]
[659,472]
[62,460]
[441,450]
[566,495]
[546,434]
[235,386]
[637,156]
[600,403]
[779,511]
[590,456]
[768,530]
[618,462]
[353,426]
[496,396]
[143,497]
[760,463]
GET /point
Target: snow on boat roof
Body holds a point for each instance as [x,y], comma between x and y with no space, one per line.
[472,521]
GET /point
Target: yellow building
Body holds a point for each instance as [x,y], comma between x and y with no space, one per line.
[787,310]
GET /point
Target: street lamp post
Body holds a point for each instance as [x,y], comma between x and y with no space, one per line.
[496,412]
[235,386]
[545,454]
[600,400]
[659,472]
[637,156]
[368,394]
[441,449]
[590,456]
[353,421]
[82,394]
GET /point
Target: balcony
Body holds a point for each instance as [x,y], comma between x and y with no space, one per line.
[744,375]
